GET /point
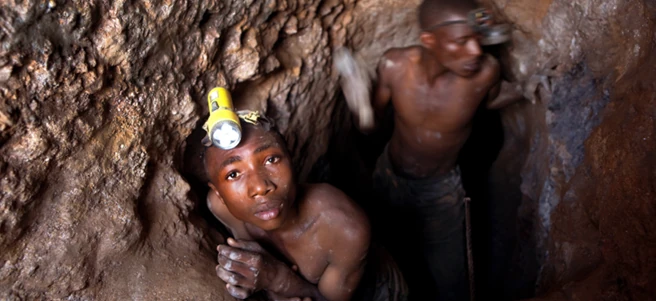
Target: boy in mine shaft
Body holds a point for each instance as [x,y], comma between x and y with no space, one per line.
[294,242]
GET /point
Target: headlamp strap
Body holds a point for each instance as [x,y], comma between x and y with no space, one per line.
[475,18]
[251,117]
[446,23]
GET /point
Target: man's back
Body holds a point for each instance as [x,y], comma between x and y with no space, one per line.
[432,116]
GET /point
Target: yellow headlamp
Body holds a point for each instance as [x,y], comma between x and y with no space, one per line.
[222,127]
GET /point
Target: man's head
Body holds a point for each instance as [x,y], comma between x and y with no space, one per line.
[446,34]
[255,180]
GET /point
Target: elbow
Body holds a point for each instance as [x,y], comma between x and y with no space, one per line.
[502,102]
[493,106]
[508,94]
[498,105]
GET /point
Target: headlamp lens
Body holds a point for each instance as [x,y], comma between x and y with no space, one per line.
[226,134]
[214,94]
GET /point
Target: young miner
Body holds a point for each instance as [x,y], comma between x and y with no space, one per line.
[277,224]
[435,90]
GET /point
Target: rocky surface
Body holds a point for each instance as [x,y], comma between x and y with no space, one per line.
[583,152]
[100,102]
[98,98]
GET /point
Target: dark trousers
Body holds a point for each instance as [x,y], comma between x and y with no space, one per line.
[424,225]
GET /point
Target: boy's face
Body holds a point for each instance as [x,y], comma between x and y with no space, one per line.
[255,179]
[455,46]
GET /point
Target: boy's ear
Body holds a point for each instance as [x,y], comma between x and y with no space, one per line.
[428,39]
[215,192]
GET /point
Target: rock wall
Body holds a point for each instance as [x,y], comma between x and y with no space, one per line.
[102,101]
[583,151]
[98,98]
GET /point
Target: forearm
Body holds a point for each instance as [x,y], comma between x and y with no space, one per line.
[507,95]
[379,116]
[380,97]
[289,284]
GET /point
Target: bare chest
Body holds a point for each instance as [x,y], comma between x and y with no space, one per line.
[442,94]
[455,100]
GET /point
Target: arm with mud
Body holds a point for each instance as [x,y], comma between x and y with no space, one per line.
[503,93]
[382,92]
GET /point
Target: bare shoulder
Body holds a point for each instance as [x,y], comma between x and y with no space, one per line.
[396,58]
[340,216]
[402,53]
[221,212]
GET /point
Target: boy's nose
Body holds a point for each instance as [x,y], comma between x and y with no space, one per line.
[260,185]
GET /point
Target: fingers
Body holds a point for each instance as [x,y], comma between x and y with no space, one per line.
[233,278]
[247,257]
[236,267]
[246,245]
[238,292]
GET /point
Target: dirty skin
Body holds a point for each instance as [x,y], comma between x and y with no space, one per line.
[435,89]
[254,193]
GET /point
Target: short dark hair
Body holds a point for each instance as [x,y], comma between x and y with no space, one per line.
[433,12]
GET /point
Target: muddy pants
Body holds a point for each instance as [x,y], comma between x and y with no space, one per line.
[425,227]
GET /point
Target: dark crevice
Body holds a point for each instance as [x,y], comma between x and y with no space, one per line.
[143,210]
[351,158]
[475,161]
[204,19]
[193,171]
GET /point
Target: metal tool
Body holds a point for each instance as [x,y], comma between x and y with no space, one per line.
[356,85]
[470,254]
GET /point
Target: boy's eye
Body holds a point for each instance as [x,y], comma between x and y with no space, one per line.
[232,175]
[273,159]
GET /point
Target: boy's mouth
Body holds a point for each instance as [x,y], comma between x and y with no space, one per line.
[270,213]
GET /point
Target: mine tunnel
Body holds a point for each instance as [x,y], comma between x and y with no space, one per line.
[102,187]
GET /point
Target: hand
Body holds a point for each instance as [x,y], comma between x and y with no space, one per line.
[273,297]
[246,267]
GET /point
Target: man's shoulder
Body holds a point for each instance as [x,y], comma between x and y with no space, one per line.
[326,197]
[396,57]
[334,207]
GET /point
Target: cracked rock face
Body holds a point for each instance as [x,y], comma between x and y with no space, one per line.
[577,167]
[99,100]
